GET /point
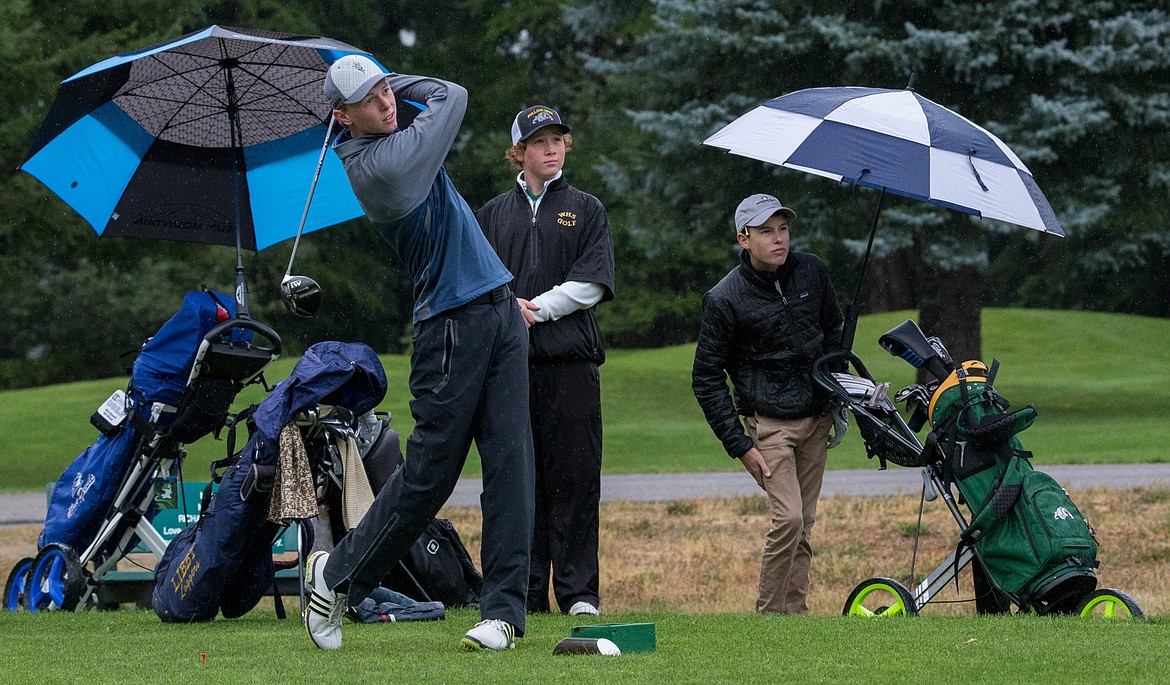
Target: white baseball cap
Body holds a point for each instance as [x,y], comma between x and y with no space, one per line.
[350,78]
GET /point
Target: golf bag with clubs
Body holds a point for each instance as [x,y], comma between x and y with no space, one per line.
[181,387]
[324,413]
[223,563]
[1025,539]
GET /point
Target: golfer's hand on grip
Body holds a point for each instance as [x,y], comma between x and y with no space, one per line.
[754,462]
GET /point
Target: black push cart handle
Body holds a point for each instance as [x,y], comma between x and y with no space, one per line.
[824,377]
[250,324]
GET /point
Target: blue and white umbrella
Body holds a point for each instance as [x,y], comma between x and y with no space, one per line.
[895,140]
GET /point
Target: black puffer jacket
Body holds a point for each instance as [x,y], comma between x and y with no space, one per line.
[765,337]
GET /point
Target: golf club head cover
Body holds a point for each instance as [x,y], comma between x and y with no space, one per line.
[907,341]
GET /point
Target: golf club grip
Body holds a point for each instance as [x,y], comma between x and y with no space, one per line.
[309,199]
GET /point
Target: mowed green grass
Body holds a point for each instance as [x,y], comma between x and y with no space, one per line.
[1099,381]
[134,647]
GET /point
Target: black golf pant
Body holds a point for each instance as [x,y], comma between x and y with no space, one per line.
[566,432]
[469,380]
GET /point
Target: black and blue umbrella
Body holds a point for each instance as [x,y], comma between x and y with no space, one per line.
[209,138]
[896,141]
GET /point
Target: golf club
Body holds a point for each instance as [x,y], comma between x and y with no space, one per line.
[301,294]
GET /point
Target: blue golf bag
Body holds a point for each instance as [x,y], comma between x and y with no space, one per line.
[223,563]
[159,376]
[181,388]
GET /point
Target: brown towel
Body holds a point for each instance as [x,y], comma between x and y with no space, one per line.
[356,495]
[293,495]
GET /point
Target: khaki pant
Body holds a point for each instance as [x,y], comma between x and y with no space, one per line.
[795,451]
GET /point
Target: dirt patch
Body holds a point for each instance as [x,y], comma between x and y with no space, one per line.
[701,556]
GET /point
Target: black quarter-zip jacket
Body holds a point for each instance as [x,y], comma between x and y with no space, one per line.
[764,335]
[568,239]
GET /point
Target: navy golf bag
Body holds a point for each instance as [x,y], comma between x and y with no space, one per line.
[223,563]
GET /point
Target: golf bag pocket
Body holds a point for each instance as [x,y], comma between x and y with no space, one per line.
[969,459]
[204,409]
[1042,537]
[83,494]
[1060,530]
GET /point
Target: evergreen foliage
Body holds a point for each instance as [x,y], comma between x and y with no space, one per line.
[1078,88]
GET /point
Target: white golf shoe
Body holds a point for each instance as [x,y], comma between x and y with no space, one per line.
[326,607]
[490,634]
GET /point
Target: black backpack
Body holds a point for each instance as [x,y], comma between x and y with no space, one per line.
[437,569]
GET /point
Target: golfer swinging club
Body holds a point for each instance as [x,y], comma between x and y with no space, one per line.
[469,367]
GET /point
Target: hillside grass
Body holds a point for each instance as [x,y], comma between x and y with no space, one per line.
[1098,381]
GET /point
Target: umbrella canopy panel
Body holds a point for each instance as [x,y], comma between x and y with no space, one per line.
[226,92]
[896,140]
[177,140]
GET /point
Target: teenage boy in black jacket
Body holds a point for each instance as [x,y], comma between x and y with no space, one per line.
[763,326]
[556,240]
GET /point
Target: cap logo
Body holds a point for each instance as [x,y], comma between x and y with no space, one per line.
[540,115]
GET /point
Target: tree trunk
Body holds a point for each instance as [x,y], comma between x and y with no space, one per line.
[949,307]
[950,299]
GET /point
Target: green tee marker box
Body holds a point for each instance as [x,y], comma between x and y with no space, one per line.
[629,637]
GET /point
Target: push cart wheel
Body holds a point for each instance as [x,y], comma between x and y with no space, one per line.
[16,588]
[57,580]
[1109,603]
[880,597]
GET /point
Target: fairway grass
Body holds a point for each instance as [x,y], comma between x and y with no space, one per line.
[1097,380]
[134,647]
[690,567]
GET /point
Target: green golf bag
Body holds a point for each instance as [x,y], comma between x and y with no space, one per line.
[1031,538]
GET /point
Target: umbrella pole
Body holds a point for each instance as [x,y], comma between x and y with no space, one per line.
[853,310]
[237,150]
[241,283]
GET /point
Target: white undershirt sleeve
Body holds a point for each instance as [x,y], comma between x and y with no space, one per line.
[566,298]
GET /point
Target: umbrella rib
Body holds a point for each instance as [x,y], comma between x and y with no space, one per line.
[198,88]
[218,104]
[261,77]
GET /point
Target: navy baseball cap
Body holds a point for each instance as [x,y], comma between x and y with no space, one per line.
[531,120]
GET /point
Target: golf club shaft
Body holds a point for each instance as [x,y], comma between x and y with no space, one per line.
[309,199]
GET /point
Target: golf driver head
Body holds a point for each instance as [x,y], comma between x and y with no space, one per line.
[301,295]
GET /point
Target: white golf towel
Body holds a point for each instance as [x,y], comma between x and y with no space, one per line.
[357,495]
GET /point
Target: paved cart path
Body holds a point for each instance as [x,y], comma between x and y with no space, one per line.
[29,507]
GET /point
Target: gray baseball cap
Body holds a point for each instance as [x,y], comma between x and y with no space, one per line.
[350,78]
[758,208]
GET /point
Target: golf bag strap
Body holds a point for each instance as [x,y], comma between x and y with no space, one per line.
[991,373]
[205,499]
[999,501]
[232,455]
[278,600]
